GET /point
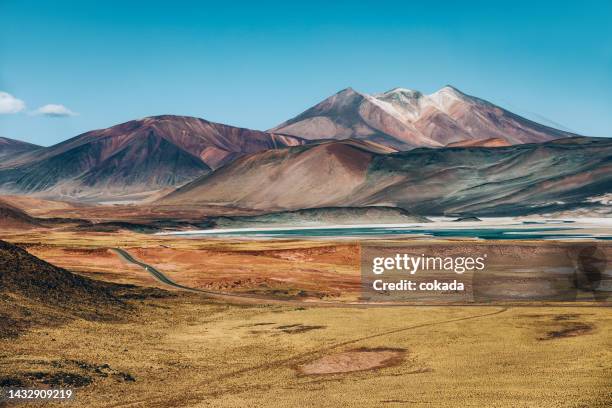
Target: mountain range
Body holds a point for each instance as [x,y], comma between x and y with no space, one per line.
[133,158]
[553,176]
[403,118]
[438,153]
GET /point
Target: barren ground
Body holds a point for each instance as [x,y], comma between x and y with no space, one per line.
[191,351]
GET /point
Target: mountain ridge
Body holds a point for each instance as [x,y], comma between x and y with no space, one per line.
[9,147]
[519,179]
[134,158]
[404,119]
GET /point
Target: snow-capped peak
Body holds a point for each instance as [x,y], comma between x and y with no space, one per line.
[450,88]
[400,93]
[448,91]
[406,102]
[446,97]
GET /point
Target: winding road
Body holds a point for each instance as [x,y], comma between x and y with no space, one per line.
[246,298]
[157,274]
[161,277]
[152,270]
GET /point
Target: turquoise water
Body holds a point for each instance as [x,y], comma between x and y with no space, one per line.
[481,233]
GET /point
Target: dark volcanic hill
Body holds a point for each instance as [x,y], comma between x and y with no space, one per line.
[34,291]
[404,119]
[520,179]
[12,147]
[136,157]
[26,275]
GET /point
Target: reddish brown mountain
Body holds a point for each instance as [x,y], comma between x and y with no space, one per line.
[404,119]
[553,176]
[133,159]
[318,175]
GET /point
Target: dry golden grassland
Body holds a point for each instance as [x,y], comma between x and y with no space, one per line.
[186,351]
[190,351]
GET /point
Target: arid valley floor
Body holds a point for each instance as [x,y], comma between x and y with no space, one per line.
[179,348]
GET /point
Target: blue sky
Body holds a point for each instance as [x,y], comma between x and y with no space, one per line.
[256,64]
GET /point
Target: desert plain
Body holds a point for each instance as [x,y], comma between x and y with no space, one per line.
[295,334]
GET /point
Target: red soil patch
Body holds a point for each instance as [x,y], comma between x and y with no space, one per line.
[361,359]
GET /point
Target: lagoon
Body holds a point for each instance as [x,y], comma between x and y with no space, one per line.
[487,229]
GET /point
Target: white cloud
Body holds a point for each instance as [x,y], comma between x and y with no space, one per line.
[9,104]
[54,110]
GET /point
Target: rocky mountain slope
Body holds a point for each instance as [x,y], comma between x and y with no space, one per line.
[33,291]
[404,119]
[520,179]
[136,157]
[321,175]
